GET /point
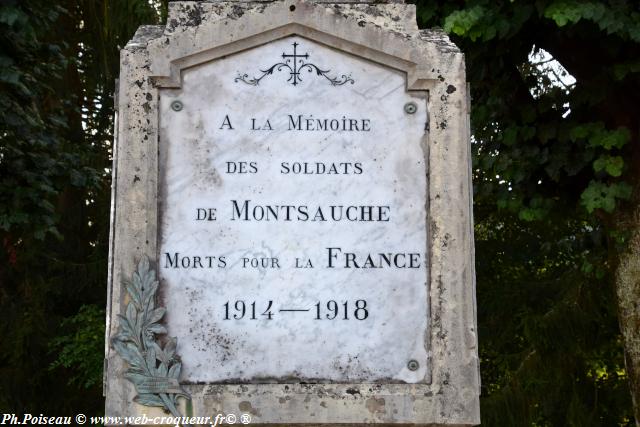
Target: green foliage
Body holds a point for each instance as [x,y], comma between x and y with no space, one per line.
[564,12]
[595,135]
[611,164]
[76,348]
[549,342]
[554,163]
[550,145]
[34,163]
[58,62]
[616,17]
[553,168]
[599,195]
[466,22]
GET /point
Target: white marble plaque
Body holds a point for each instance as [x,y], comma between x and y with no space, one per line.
[293,239]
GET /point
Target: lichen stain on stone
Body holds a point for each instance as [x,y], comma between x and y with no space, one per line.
[447,378]
[375,405]
[373,11]
[195,16]
[451,89]
[245,407]
[353,391]
[236,12]
[283,400]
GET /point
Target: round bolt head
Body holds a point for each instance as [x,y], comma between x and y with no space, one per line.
[413,365]
[176,106]
[410,107]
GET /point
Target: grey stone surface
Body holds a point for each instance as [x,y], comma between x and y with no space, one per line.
[157,61]
[316,1]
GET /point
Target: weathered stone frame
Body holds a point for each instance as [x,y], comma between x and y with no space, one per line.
[384,33]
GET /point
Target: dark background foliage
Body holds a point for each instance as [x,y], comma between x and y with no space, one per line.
[58,62]
[554,173]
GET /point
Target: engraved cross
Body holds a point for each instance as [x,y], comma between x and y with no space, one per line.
[295,73]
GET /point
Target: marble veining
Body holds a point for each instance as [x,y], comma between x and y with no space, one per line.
[255,183]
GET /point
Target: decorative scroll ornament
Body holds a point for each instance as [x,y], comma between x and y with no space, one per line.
[294,63]
[153,370]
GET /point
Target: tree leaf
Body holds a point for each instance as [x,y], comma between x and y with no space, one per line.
[613,165]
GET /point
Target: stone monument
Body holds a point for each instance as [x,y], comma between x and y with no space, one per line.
[292,234]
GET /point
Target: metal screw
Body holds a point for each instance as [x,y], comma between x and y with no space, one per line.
[413,365]
[410,107]
[176,106]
